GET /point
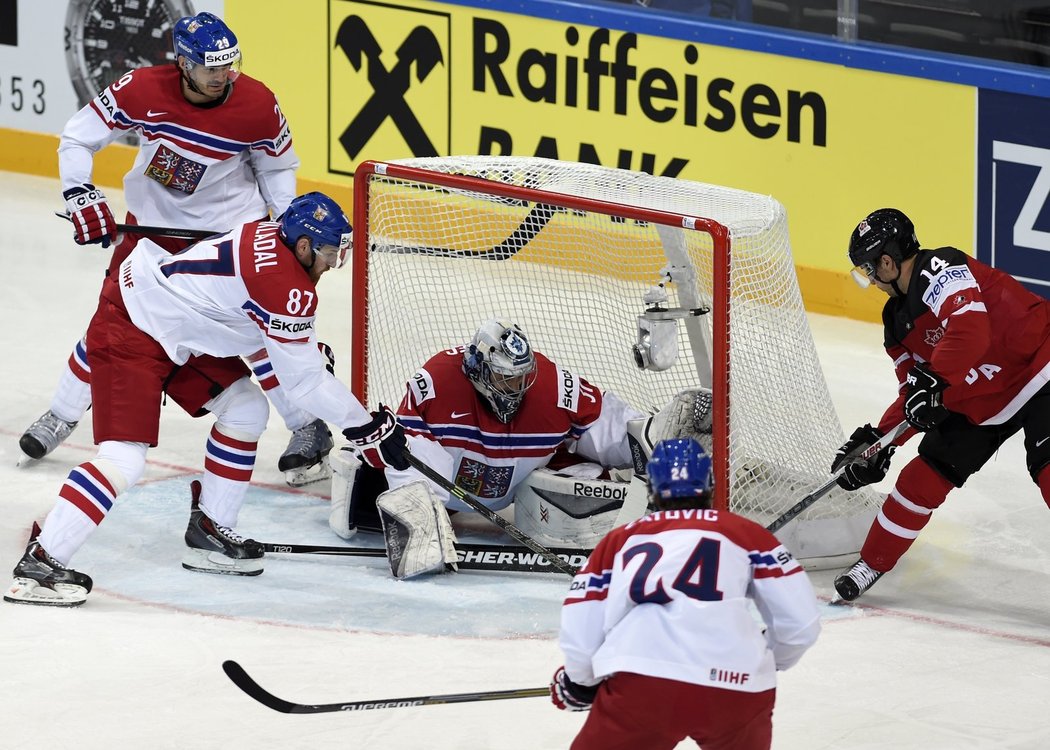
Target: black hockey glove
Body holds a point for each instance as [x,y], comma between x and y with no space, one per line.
[571,696]
[380,442]
[858,473]
[922,402]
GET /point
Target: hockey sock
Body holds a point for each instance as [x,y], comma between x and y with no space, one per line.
[73,394]
[228,464]
[907,509]
[1044,483]
[83,502]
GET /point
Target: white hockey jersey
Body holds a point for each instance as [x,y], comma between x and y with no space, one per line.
[232,295]
[667,596]
[198,167]
[453,430]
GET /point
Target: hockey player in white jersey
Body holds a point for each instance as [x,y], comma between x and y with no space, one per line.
[657,633]
[214,152]
[178,325]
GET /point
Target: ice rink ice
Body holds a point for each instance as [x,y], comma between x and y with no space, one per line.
[950,651]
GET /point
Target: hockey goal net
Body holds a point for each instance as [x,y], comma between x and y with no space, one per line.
[575,253]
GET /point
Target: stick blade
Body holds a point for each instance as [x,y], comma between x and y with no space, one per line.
[243,680]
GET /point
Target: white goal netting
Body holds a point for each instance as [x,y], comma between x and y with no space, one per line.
[573,274]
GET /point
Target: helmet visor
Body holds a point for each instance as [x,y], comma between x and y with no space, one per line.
[334,256]
[864,274]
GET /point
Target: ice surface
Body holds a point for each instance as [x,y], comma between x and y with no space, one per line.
[951,651]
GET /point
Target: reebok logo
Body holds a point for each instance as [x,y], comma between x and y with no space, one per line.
[151,113]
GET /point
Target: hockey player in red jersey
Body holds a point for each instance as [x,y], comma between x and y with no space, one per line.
[971,348]
[489,416]
[214,152]
[657,633]
[178,325]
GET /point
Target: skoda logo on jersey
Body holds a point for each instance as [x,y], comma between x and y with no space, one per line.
[389,89]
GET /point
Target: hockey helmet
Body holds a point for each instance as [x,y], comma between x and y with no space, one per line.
[322,221]
[679,469]
[205,40]
[499,361]
[884,232]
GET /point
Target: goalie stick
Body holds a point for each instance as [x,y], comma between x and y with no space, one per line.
[491,557]
[511,530]
[186,234]
[251,688]
[829,485]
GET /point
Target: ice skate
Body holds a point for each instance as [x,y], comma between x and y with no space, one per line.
[856,581]
[44,435]
[218,549]
[305,460]
[40,579]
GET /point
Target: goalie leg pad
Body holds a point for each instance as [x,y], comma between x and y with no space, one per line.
[559,510]
[355,488]
[417,531]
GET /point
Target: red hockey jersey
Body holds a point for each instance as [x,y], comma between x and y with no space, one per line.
[977,327]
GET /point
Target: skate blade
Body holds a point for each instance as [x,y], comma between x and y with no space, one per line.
[24,460]
[205,561]
[28,591]
[319,472]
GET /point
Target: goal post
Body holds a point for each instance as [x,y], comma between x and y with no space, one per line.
[596,263]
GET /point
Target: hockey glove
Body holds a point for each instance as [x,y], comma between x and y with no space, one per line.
[380,442]
[91,215]
[857,473]
[571,696]
[922,404]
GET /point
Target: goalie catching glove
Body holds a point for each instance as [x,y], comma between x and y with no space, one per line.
[571,696]
[860,473]
[418,534]
[380,442]
[687,416]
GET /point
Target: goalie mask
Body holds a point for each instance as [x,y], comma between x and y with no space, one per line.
[499,361]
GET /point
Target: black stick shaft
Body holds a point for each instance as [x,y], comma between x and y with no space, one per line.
[244,681]
[186,234]
[829,485]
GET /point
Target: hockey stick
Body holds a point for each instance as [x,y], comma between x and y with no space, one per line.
[186,234]
[511,530]
[829,485]
[490,557]
[244,681]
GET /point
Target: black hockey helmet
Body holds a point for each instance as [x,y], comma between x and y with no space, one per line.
[884,232]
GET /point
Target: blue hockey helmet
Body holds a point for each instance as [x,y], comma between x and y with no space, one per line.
[679,469]
[205,40]
[319,218]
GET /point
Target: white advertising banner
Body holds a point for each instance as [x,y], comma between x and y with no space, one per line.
[56,55]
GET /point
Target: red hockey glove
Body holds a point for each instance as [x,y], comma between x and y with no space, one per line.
[91,215]
[858,473]
[922,404]
[380,442]
[571,696]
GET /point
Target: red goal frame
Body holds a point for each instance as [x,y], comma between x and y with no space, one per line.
[720,312]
